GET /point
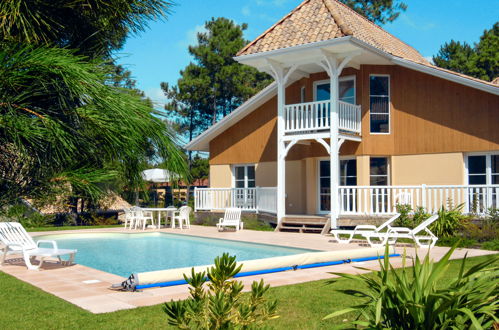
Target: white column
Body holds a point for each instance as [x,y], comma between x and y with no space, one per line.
[334,154]
[281,76]
[281,160]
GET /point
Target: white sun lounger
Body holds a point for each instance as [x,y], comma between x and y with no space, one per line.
[395,233]
[232,218]
[17,241]
[358,230]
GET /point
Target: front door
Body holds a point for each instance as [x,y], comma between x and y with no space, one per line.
[347,177]
[244,178]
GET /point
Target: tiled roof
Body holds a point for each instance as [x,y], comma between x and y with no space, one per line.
[319,20]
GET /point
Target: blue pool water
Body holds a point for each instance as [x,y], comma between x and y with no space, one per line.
[124,254]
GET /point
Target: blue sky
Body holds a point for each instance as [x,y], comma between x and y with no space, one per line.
[159,53]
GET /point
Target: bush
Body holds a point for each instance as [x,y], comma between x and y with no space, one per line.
[449,221]
[26,216]
[221,305]
[410,299]
[404,220]
[491,245]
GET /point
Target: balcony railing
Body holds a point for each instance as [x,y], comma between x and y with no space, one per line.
[359,200]
[315,116]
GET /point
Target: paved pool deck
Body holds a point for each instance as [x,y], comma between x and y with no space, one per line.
[90,289]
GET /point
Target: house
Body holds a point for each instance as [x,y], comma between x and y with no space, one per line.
[351,99]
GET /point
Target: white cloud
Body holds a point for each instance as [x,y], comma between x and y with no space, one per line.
[191,36]
[246,11]
[278,3]
[157,97]
[418,24]
[429,59]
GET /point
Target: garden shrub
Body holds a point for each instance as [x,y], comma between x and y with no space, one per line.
[412,298]
[26,216]
[404,220]
[449,220]
[220,304]
[491,245]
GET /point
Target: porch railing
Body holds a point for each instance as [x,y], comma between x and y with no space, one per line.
[257,199]
[315,116]
[359,200]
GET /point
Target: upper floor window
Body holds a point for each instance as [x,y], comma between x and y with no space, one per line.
[346,91]
[483,169]
[244,176]
[379,103]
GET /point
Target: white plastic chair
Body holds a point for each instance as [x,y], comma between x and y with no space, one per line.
[395,233]
[143,217]
[232,218]
[17,241]
[360,229]
[183,217]
[129,217]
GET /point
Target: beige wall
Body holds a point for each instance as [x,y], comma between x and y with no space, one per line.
[220,176]
[266,174]
[430,169]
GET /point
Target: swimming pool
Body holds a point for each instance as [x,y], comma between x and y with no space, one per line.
[123,254]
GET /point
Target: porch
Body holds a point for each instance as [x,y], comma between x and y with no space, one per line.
[359,200]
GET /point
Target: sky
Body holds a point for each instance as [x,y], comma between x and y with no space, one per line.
[159,53]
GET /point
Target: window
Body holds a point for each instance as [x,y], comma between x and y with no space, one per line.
[346,90]
[324,186]
[244,176]
[379,104]
[348,172]
[348,177]
[483,169]
[378,171]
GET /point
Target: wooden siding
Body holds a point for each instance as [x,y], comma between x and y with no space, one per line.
[428,115]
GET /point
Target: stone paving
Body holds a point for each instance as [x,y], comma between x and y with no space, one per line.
[90,289]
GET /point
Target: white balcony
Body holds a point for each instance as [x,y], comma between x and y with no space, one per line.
[315,117]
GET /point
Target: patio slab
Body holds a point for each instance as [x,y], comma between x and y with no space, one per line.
[89,288]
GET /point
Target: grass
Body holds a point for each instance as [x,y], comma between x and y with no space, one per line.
[57,228]
[300,306]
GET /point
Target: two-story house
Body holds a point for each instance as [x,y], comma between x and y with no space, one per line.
[355,122]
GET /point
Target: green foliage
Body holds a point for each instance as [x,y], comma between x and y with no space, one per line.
[94,27]
[62,126]
[377,11]
[26,216]
[200,169]
[480,61]
[219,304]
[411,299]
[491,245]
[404,220]
[410,218]
[449,220]
[250,222]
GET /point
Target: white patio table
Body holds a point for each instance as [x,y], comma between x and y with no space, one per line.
[170,211]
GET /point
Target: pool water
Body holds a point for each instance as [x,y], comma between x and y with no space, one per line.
[124,254]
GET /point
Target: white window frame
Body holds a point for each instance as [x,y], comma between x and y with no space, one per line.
[343,78]
[389,104]
[233,171]
[488,165]
[388,170]
[318,180]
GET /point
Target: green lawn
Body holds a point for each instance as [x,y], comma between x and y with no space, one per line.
[57,228]
[301,306]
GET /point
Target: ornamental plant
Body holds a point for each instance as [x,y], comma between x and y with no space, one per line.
[413,297]
[219,303]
